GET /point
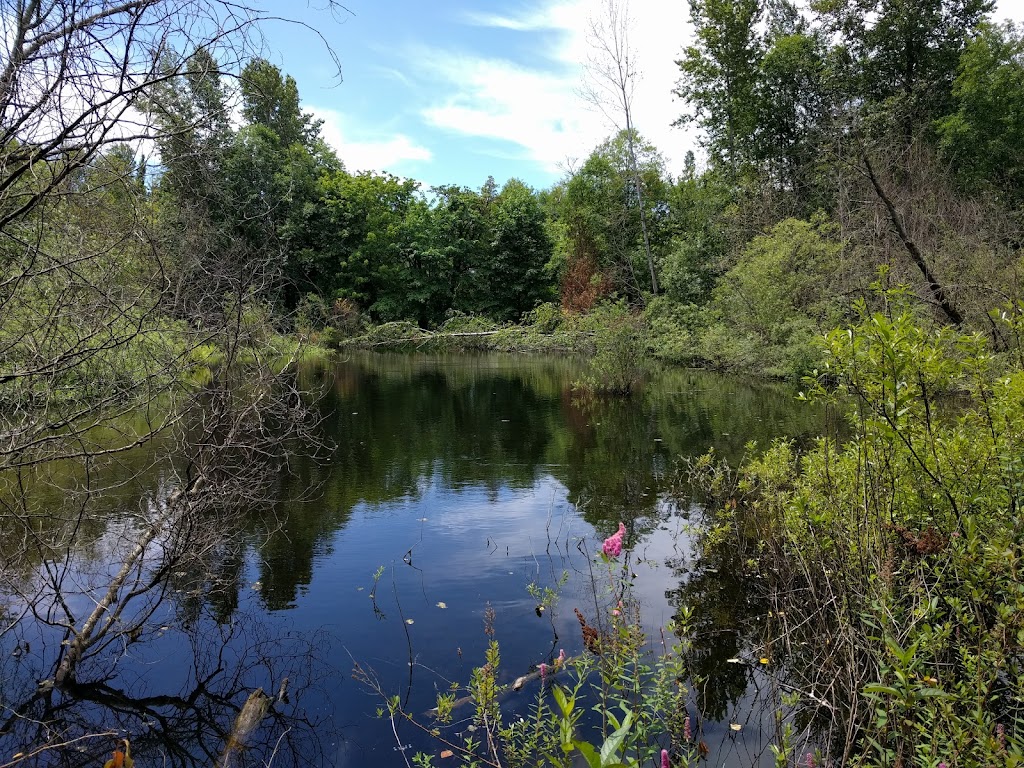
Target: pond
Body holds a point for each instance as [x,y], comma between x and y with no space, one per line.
[455,486]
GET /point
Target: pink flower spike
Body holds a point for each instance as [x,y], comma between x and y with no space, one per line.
[561,657]
[543,671]
[664,759]
[613,544]
[687,733]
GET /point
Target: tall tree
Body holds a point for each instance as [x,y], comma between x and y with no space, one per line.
[983,137]
[896,59]
[720,75]
[612,70]
[519,252]
[600,215]
[271,99]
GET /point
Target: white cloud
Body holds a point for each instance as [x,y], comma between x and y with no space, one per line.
[492,98]
[537,107]
[383,152]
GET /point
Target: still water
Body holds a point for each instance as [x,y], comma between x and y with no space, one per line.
[453,483]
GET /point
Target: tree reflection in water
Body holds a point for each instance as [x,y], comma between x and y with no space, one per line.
[182,711]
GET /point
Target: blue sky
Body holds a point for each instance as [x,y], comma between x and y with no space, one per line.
[452,91]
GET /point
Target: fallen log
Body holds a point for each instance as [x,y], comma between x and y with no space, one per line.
[253,711]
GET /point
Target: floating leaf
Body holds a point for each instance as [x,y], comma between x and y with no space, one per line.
[446,753]
[764,659]
[735,726]
[409,621]
[442,604]
[732,661]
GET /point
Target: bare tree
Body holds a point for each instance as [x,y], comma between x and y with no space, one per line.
[99,384]
[611,79]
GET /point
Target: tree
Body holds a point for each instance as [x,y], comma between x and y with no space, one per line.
[720,75]
[792,108]
[983,137]
[895,60]
[611,67]
[600,212]
[519,252]
[272,100]
[94,361]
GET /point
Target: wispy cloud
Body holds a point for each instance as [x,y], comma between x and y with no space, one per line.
[536,106]
[391,152]
[500,100]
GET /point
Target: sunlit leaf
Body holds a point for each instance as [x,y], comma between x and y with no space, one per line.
[409,621]
[764,659]
[732,661]
[446,753]
[442,604]
[735,726]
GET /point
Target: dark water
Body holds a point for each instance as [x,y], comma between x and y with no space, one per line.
[455,483]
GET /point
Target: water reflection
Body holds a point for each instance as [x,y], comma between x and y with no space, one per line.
[458,481]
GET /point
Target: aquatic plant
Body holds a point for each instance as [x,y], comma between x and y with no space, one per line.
[634,688]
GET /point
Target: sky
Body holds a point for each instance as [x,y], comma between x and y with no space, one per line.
[454,91]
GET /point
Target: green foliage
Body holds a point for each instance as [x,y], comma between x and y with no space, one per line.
[620,350]
[899,57]
[897,556]
[719,75]
[984,136]
[768,310]
[519,251]
[673,329]
[598,214]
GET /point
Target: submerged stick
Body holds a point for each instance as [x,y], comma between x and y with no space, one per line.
[517,684]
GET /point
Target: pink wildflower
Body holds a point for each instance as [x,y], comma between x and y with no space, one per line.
[664,758]
[543,671]
[687,733]
[809,760]
[561,657]
[613,544]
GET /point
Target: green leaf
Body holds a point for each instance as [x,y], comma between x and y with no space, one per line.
[563,704]
[879,688]
[586,749]
[613,743]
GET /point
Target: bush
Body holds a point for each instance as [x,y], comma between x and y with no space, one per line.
[767,312]
[620,350]
[896,560]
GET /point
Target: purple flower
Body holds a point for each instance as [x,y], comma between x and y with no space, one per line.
[543,671]
[664,759]
[687,733]
[613,544]
[809,760]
